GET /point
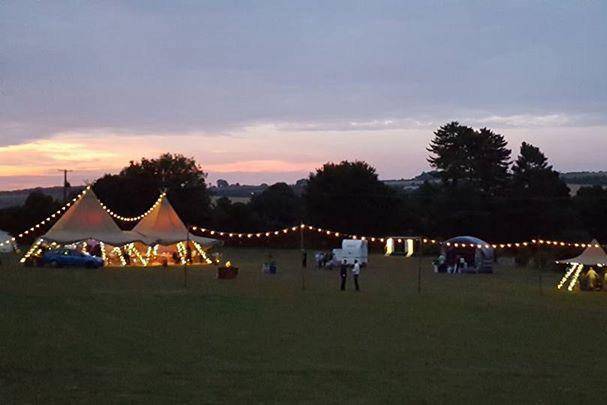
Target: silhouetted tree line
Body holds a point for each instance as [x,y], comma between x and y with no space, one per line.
[478,190]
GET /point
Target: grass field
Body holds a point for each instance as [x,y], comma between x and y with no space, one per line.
[137,335]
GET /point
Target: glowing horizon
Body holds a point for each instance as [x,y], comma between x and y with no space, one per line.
[267,153]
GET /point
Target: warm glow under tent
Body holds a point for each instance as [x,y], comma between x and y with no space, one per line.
[593,255]
[167,238]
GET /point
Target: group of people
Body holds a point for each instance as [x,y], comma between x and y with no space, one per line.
[458,266]
[343,274]
[593,281]
[323,260]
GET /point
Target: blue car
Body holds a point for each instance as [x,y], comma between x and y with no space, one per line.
[70,257]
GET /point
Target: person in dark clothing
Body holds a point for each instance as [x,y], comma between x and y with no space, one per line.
[343,274]
[304,259]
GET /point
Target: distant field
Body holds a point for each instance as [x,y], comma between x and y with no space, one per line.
[137,335]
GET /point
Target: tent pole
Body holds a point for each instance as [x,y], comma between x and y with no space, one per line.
[185,262]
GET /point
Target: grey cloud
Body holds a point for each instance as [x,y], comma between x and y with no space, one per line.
[167,67]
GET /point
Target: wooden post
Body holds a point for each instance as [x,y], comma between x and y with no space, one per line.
[302,248]
[419,267]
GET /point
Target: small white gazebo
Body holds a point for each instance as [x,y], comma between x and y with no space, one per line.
[6,244]
[593,255]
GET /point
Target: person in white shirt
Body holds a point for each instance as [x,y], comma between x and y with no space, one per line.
[355,273]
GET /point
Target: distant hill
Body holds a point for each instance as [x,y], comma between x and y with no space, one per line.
[585,178]
[243,192]
[17,197]
[414,183]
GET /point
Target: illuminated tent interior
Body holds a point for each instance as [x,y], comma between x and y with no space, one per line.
[159,238]
[166,239]
[477,253]
[592,256]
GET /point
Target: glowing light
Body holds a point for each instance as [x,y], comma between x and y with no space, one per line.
[575,277]
[138,217]
[31,251]
[103,255]
[566,276]
[389,246]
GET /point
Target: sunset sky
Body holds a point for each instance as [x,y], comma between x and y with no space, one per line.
[268,91]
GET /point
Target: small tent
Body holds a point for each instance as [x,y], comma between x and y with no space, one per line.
[583,266]
[6,245]
[477,254]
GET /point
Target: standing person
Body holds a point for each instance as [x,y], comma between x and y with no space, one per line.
[343,273]
[355,273]
[463,265]
[304,259]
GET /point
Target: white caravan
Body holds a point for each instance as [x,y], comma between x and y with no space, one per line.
[351,249]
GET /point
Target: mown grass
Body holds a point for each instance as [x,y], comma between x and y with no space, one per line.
[137,335]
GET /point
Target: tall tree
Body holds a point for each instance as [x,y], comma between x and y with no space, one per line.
[349,196]
[138,185]
[463,156]
[491,160]
[533,176]
[538,200]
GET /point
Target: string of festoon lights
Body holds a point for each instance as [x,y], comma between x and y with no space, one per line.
[49,219]
[298,228]
[383,239]
[138,217]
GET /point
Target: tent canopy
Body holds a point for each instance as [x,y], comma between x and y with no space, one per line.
[593,255]
[163,226]
[86,219]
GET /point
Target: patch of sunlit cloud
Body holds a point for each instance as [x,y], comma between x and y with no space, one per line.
[537,121]
[262,166]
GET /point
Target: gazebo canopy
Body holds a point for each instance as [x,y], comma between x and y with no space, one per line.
[592,256]
[84,220]
[163,226]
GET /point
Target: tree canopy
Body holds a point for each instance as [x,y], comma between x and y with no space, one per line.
[278,206]
[464,156]
[349,196]
[138,185]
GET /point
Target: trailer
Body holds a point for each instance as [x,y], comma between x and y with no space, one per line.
[351,250]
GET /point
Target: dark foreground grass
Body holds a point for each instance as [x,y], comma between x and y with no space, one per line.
[134,335]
